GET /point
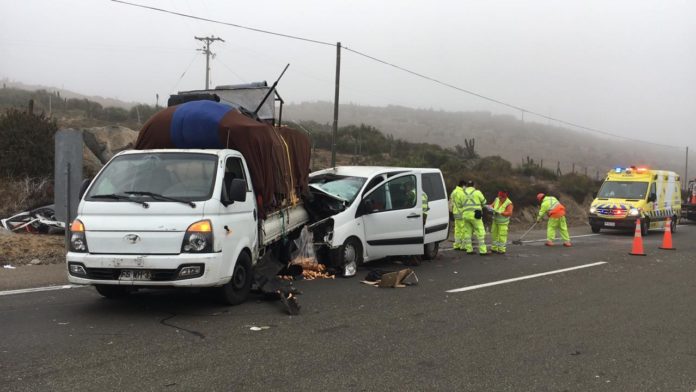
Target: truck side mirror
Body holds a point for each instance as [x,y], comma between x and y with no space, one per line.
[84,186]
[235,192]
[652,198]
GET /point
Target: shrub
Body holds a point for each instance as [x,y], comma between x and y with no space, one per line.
[26,144]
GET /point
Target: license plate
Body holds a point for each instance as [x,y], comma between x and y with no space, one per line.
[135,275]
[610,224]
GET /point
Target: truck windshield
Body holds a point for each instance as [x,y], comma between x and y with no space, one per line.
[343,187]
[185,176]
[623,190]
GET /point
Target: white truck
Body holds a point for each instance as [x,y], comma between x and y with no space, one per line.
[174,218]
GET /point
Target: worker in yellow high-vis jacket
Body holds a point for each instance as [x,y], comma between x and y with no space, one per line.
[457,200]
[473,219]
[557,222]
[502,211]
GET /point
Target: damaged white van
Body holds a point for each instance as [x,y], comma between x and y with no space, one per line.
[377,212]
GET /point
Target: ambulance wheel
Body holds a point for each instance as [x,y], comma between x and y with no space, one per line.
[596,229]
[430,250]
[644,227]
[237,289]
[673,225]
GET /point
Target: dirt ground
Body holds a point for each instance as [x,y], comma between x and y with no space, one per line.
[22,249]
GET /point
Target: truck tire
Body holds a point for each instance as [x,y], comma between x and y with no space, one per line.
[111,291]
[430,250]
[237,289]
[596,229]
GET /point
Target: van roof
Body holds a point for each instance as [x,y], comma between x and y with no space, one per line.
[369,171]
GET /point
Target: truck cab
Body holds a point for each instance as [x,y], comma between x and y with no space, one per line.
[632,193]
[378,212]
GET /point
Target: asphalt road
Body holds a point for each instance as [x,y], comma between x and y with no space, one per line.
[625,325]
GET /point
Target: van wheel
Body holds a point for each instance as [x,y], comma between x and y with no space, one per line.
[430,250]
[111,291]
[350,256]
[596,229]
[237,289]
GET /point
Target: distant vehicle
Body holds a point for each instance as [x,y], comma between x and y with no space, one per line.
[373,217]
[689,205]
[628,194]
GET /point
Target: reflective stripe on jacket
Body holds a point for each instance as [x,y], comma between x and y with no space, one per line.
[457,198]
[552,207]
[503,215]
[473,199]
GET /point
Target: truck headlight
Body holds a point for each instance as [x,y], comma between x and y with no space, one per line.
[78,240]
[198,238]
[593,210]
[634,212]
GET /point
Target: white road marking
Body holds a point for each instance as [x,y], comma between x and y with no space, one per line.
[38,289]
[541,240]
[479,286]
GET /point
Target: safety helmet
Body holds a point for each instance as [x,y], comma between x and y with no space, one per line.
[540,196]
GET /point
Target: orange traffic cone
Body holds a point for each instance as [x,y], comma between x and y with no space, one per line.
[637,249]
[667,239]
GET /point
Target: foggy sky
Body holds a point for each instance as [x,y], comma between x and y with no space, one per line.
[627,67]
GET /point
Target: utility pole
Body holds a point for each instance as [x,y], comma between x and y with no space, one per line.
[686,170]
[206,50]
[335,119]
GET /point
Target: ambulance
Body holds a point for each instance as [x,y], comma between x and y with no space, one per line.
[628,194]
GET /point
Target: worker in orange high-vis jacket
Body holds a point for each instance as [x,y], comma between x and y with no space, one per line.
[502,211]
[551,207]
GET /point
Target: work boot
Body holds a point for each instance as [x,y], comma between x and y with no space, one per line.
[484,254]
[567,244]
[549,243]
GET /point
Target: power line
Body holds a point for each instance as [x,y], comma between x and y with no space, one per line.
[521,109]
[403,69]
[224,23]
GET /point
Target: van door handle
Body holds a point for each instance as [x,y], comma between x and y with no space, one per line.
[413,216]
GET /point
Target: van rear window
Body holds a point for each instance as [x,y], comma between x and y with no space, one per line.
[433,186]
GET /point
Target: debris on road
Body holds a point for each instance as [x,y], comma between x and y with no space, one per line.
[395,279]
[39,220]
[8,266]
[255,328]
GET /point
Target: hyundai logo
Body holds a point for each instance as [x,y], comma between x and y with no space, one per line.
[132,238]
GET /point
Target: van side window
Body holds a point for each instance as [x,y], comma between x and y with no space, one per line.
[433,186]
[397,194]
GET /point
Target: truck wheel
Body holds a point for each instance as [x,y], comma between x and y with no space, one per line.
[351,256]
[430,250]
[111,291]
[237,289]
[596,229]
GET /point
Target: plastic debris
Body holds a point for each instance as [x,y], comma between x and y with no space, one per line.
[7,266]
[255,328]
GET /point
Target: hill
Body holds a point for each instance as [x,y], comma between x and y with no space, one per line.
[502,135]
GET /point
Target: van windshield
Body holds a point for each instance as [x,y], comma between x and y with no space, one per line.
[623,190]
[184,176]
[343,187]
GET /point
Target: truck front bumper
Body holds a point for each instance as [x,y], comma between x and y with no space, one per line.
[164,270]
